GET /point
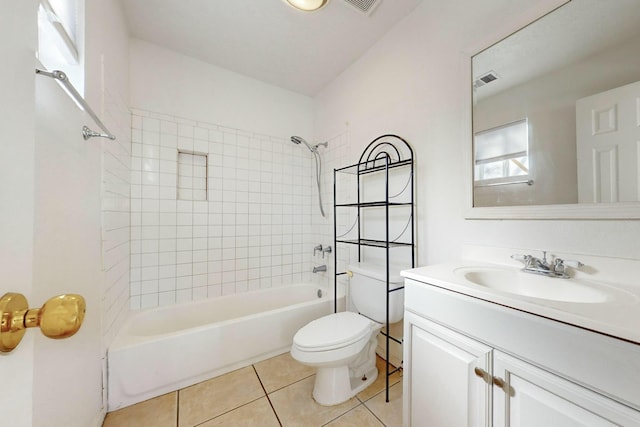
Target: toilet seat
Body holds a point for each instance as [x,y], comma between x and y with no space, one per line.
[333,331]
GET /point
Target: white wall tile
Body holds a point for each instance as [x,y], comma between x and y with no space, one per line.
[252,210]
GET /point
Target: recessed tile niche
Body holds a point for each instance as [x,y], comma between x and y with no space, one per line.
[192,176]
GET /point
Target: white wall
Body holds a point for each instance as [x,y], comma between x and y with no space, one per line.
[413,82]
[107,91]
[166,82]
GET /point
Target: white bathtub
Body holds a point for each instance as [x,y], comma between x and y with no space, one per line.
[168,348]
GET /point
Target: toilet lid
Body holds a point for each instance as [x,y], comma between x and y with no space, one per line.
[333,331]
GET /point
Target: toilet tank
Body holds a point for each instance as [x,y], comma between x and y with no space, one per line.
[369,291]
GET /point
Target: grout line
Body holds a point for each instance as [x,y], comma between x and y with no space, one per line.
[267,395]
[345,413]
[229,411]
[374,414]
[178,407]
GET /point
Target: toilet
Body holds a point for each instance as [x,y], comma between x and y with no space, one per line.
[342,346]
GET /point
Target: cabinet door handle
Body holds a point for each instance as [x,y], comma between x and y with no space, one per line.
[499,382]
[481,373]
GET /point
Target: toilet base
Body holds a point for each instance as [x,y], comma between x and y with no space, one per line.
[334,386]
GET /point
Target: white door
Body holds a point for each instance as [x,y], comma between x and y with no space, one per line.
[531,397]
[67,258]
[443,387]
[49,235]
[608,146]
[16,197]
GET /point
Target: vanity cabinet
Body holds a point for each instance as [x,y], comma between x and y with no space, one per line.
[439,371]
[458,375]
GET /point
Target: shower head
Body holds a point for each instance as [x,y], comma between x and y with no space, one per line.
[298,140]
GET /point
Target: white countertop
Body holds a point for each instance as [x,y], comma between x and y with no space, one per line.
[618,317]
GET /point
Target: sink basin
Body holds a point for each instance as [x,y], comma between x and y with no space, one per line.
[516,282]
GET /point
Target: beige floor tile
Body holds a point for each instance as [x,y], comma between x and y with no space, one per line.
[380,383]
[359,416]
[280,371]
[390,413]
[256,413]
[207,400]
[295,406]
[158,412]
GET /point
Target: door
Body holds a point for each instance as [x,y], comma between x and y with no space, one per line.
[50,240]
[442,384]
[16,196]
[526,396]
[67,258]
[608,146]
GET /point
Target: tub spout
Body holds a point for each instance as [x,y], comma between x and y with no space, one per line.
[319,268]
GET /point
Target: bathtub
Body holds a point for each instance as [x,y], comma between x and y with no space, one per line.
[168,348]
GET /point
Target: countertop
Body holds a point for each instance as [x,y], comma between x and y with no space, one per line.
[618,317]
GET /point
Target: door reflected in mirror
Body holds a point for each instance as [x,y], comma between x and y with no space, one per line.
[556,109]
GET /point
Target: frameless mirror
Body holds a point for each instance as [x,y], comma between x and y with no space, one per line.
[556,111]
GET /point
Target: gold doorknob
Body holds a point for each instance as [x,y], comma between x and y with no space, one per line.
[60,317]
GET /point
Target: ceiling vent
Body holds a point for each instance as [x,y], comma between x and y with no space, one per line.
[363,6]
[485,79]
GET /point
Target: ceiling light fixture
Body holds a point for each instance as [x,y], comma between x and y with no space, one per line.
[307,5]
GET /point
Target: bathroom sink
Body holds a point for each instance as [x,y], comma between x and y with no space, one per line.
[516,282]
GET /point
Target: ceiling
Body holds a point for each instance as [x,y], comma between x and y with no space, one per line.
[267,39]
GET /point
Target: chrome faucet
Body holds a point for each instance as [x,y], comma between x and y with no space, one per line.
[316,249]
[326,249]
[543,267]
[319,268]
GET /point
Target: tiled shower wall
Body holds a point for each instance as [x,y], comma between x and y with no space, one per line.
[116,190]
[253,231]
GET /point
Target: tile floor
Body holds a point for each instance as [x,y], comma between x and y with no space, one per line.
[275,392]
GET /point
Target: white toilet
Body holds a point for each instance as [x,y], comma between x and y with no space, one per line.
[342,346]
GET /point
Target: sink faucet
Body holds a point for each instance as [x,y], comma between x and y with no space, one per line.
[545,268]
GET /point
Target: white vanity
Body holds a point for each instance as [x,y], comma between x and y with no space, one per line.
[544,352]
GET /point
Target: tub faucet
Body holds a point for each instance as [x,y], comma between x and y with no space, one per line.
[319,268]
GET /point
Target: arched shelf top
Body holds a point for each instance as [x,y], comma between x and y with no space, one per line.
[385,151]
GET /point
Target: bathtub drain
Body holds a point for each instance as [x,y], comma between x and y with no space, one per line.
[319,293]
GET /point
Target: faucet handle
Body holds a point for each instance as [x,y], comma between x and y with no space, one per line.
[326,249]
[525,259]
[316,249]
[573,263]
[560,266]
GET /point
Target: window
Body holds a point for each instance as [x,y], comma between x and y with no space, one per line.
[501,154]
[60,29]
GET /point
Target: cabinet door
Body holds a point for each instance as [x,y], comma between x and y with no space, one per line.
[533,397]
[442,387]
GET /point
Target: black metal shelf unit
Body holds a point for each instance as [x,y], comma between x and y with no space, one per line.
[381,156]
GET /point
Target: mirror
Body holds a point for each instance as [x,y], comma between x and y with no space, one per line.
[556,115]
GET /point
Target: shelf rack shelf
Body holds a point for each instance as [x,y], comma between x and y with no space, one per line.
[382,155]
